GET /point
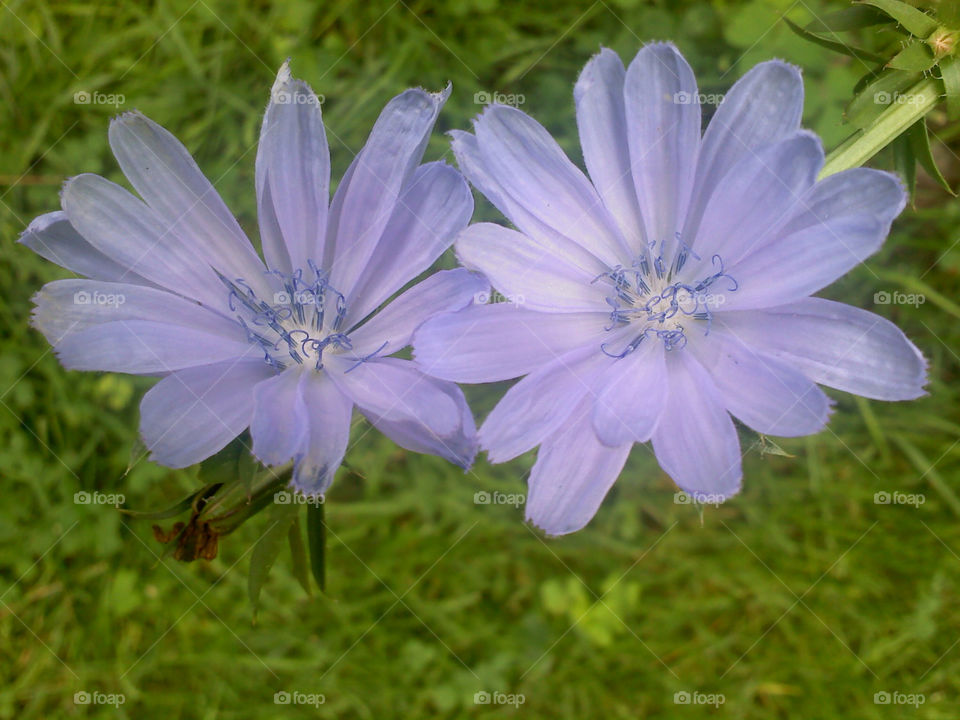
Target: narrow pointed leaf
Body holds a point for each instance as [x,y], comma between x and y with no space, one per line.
[912,20]
[834,45]
[317,541]
[298,553]
[916,57]
[905,162]
[950,72]
[267,549]
[919,140]
[852,18]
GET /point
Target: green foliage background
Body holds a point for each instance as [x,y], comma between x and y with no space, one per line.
[800,598]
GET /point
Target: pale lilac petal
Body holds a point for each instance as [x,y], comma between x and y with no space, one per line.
[837,345]
[52,236]
[539,404]
[435,205]
[328,414]
[293,175]
[573,473]
[280,419]
[633,390]
[764,393]
[165,175]
[382,169]
[532,168]
[762,108]
[473,164]
[444,291]
[193,413]
[695,441]
[425,412]
[488,343]
[126,230]
[526,274]
[602,122]
[663,127]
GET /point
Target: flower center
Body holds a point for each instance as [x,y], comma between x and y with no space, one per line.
[304,321]
[652,297]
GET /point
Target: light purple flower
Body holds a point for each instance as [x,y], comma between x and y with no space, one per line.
[668,292]
[286,348]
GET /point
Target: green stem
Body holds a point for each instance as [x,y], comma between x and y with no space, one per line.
[894,120]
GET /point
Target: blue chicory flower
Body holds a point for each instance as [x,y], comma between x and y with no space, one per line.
[671,290]
[286,348]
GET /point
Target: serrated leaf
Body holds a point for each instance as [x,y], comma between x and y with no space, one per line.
[919,140]
[317,542]
[267,549]
[915,57]
[905,162]
[912,20]
[878,96]
[298,554]
[950,73]
[852,18]
[834,45]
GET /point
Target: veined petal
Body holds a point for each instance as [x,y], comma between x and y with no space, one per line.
[435,205]
[327,435]
[487,343]
[193,413]
[663,126]
[532,168]
[525,273]
[293,175]
[836,345]
[695,440]
[573,473]
[444,291]
[165,175]
[382,169]
[633,390]
[279,427]
[602,122]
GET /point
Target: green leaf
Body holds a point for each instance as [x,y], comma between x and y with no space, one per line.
[317,541]
[834,44]
[920,146]
[877,96]
[851,18]
[915,57]
[172,511]
[914,21]
[298,553]
[267,549]
[905,162]
[950,72]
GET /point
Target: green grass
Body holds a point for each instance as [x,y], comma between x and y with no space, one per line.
[800,598]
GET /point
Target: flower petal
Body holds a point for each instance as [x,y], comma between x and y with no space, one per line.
[162,171]
[382,169]
[573,473]
[131,234]
[487,343]
[663,126]
[695,441]
[525,273]
[633,392]
[279,424]
[193,413]
[836,345]
[531,167]
[328,433]
[444,291]
[293,176]
[602,122]
[435,205]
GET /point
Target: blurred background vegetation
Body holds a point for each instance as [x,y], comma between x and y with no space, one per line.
[800,598]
